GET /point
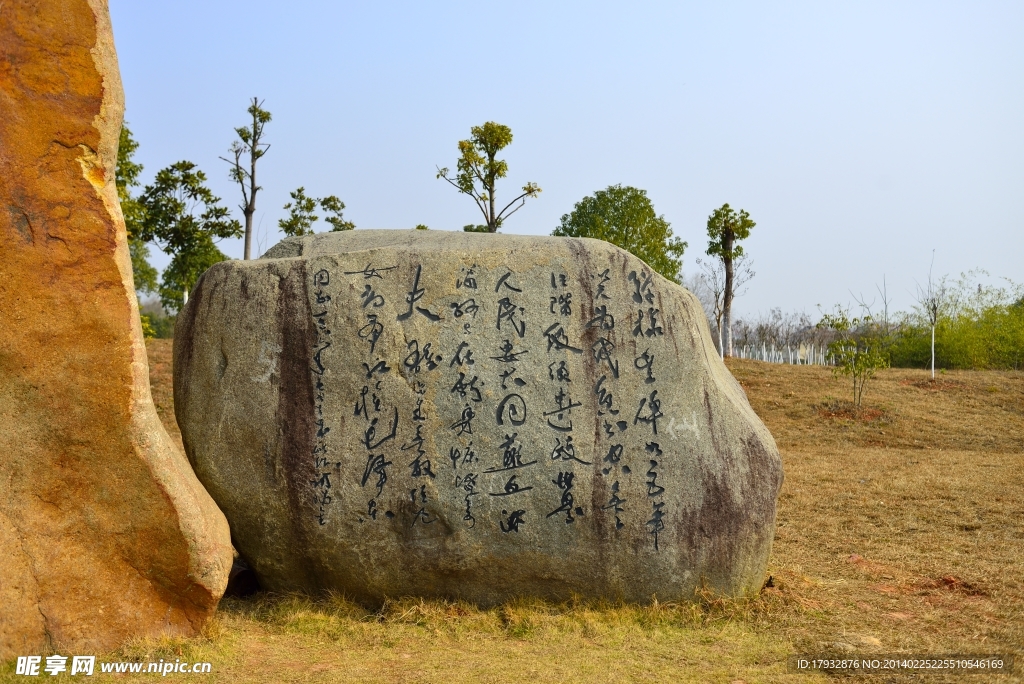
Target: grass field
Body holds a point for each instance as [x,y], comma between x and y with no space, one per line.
[901,530]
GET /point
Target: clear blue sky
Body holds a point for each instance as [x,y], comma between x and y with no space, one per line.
[859,136]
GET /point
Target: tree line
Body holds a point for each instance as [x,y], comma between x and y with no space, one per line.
[958,324]
[178,214]
[182,217]
[953,325]
[621,215]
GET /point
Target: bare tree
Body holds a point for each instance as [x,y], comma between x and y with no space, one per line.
[779,330]
[862,302]
[249,144]
[712,289]
[712,281]
[886,301]
[883,292]
[695,284]
[933,300]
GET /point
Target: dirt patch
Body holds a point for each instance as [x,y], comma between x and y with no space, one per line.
[954,584]
[850,411]
[936,385]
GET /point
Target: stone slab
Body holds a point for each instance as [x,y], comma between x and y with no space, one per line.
[390,413]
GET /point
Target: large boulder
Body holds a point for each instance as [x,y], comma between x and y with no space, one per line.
[388,413]
[105,531]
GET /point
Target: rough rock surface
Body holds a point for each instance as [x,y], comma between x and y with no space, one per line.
[392,413]
[105,531]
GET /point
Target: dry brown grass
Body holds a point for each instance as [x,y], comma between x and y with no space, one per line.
[904,521]
[976,411]
[901,529]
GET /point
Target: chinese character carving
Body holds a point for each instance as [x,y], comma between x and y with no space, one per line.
[414,295]
[565,483]
[653,405]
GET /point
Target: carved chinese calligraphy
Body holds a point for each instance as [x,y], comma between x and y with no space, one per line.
[483,413]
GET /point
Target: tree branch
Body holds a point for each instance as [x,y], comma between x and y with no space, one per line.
[240,175]
[522,201]
[452,183]
[458,187]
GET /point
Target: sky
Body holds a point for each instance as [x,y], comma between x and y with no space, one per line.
[860,137]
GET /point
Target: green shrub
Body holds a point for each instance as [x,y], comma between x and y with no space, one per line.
[983,328]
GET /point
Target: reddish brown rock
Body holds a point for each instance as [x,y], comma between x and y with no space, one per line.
[105,533]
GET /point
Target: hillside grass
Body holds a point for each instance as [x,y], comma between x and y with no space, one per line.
[900,529]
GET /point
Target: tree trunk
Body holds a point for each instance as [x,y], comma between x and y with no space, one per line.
[727,241]
[728,331]
[248,235]
[933,351]
[721,345]
[250,208]
[492,221]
